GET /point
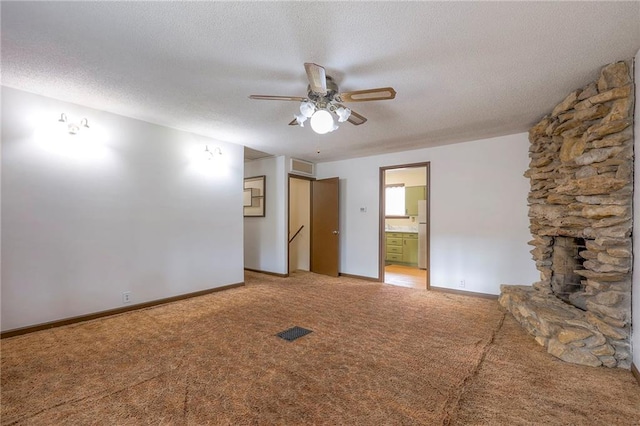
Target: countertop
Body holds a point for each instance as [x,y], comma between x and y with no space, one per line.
[405,229]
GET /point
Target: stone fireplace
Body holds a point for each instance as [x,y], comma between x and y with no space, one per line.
[580,210]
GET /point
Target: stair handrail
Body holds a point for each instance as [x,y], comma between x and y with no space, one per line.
[296,234]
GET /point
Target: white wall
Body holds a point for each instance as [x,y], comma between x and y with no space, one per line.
[265,238]
[415,176]
[123,207]
[635,288]
[479,213]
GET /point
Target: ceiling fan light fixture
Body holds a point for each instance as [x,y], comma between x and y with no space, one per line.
[343,114]
[322,122]
[324,99]
[307,109]
[300,119]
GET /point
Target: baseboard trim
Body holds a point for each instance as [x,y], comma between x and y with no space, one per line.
[110,312]
[267,273]
[359,277]
[465,293]
[635,372]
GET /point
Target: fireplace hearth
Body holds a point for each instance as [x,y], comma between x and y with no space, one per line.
[580,210]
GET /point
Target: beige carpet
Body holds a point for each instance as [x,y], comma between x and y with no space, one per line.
[378,355]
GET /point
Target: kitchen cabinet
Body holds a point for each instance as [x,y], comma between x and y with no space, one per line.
[393,247]
[410,249]
[412,194]
[401,247]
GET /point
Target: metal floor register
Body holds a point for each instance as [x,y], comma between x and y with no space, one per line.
[293,333]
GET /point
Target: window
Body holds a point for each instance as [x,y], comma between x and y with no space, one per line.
[394,200]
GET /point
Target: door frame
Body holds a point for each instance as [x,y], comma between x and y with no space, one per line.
[381,231]
[311,182]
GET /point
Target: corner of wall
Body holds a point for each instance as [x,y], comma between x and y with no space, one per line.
[635,280]
[265,238]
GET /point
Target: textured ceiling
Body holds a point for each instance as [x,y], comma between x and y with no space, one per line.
[462,70]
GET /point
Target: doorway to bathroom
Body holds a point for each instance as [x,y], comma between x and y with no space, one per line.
[404,225]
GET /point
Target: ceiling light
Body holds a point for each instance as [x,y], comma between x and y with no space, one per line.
[322,122]
[343,114]
[321,114]
[300,119]
[307,108]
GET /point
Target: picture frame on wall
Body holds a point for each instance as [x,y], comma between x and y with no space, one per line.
[254,196]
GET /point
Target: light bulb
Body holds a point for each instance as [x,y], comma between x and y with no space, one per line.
[300,119]
[322,122]
[73,128]
[307,109]
[343,114]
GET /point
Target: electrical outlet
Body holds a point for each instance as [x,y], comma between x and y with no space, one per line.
[462,284]
[126,297]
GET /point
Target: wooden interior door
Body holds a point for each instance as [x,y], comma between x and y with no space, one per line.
[325,226]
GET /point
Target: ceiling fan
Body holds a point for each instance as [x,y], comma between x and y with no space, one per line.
[323,104]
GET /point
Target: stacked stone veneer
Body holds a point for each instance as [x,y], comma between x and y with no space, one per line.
[582,187]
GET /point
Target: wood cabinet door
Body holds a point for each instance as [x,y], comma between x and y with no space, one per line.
[410,251]
[412,194]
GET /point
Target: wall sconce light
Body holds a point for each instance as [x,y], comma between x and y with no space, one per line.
[212,155]
[206,161]
[73,127]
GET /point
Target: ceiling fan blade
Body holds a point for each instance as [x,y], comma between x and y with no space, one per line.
[380,94]
[277,98]
[317,78]
[356,119]
[293,122]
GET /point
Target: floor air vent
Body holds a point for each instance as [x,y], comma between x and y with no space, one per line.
[293,333]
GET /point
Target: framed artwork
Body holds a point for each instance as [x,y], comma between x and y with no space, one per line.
[253,196]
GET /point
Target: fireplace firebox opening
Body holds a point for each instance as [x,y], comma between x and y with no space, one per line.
[566,284]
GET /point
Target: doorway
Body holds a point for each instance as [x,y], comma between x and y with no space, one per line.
[299,224]
[314,228]
[404,225]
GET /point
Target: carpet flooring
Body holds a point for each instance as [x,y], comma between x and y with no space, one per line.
[378,355]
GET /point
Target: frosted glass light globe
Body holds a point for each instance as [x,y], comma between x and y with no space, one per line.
[307,109]
[322,122]
[343,114]
[300,119]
